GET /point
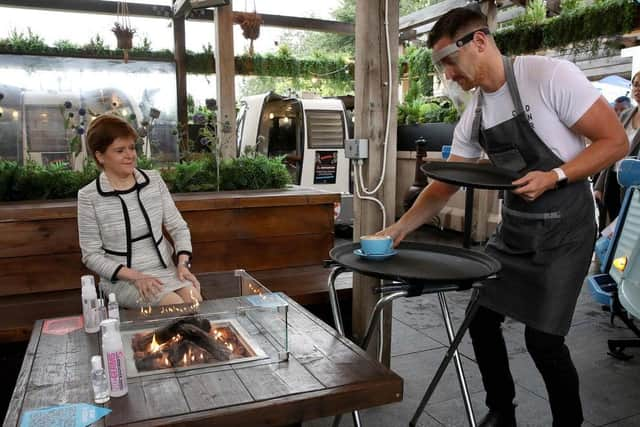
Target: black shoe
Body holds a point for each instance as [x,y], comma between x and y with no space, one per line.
[499,419]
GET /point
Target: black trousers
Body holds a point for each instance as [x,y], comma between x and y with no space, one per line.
[550,355]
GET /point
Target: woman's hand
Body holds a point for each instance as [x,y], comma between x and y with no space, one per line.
[148,286]
[184,274]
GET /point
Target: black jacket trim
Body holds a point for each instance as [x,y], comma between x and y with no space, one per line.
[114,276]
[185,253]
[137,186]
[146,236]
[127,226]
[148,221]
[110,252]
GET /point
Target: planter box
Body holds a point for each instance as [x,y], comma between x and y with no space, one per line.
[486,211]
[40,262]
[436,135]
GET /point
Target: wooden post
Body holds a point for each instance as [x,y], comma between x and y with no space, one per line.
[181,82]
[225,81]
[372,85]
[490,10]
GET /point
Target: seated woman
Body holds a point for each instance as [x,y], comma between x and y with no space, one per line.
[121,216]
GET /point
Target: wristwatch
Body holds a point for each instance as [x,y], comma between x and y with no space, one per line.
[186,263]
[562,178]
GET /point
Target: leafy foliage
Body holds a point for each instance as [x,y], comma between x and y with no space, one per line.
[253,173]
[419,68]
[427,110]
[56,181]
[580,26]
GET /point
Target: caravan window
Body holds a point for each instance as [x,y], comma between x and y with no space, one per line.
[325,129]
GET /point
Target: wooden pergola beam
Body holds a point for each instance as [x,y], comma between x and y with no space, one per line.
[429,14]
[159,11]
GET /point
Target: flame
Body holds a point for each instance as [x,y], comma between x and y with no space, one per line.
[184,359]
[229,346]
[155,347]
[201,356]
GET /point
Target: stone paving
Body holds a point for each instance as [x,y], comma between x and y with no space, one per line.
[609,387]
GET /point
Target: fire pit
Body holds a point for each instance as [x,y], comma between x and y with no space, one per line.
[188,343]
[246,323]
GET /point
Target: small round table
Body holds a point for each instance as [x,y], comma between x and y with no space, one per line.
[416,269]
[471,176]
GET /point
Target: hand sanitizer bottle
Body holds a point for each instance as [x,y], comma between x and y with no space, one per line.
[99,381]
[113,355]
[114,312]
[90,310]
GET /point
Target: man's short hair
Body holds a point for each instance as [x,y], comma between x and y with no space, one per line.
[623,100]
[455,23]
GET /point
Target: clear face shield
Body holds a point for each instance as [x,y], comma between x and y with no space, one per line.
[448,58]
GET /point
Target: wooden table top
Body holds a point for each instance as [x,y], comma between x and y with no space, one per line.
[325,375]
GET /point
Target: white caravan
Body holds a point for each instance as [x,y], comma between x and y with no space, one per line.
[309,133]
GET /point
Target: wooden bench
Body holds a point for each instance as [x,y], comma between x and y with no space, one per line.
[306,285]
[276,232]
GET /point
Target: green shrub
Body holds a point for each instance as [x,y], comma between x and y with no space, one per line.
[56,181]
[427,110]
[253,173]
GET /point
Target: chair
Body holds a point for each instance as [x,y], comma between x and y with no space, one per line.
[618,287]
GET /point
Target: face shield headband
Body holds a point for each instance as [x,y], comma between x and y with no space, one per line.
[459,96]
[451,49]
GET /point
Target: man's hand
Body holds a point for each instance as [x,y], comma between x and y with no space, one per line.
[534,184]
[395,231]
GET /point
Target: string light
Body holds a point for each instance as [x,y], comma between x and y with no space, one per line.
[345,68]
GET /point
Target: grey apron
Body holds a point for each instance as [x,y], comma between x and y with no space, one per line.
[545,246]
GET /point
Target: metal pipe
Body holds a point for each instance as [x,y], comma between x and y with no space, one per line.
[337,320]
[376,313]
[456,360]
[333,298]
[471,311]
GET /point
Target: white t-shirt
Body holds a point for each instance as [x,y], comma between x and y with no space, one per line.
[555,94]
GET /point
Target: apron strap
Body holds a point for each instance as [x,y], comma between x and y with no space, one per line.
[530,215]
[477,119]
[511,83]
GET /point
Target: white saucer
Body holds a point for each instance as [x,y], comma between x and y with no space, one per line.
[375,256]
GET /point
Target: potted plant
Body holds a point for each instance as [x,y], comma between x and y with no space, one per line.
[124,36]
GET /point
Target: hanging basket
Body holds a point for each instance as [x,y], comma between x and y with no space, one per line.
[122,29]
[250,23]
[124,36]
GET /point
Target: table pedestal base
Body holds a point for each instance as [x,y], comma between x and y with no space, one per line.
[399,291]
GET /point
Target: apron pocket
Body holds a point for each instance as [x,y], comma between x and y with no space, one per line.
[535,237]
[510,159]
[520,236]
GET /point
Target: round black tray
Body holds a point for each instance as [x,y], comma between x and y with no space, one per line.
[475,175]
[422,263]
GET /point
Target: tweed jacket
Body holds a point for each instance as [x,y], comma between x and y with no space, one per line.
[105,231]
[634,147]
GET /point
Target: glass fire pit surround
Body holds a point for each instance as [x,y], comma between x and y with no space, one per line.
[241,322]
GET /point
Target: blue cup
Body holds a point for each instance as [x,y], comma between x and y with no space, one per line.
[446,151]
[629,172]
[376,245]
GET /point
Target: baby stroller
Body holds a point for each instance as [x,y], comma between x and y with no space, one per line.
[618,285]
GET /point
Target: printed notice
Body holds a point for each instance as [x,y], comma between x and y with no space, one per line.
[326,167]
